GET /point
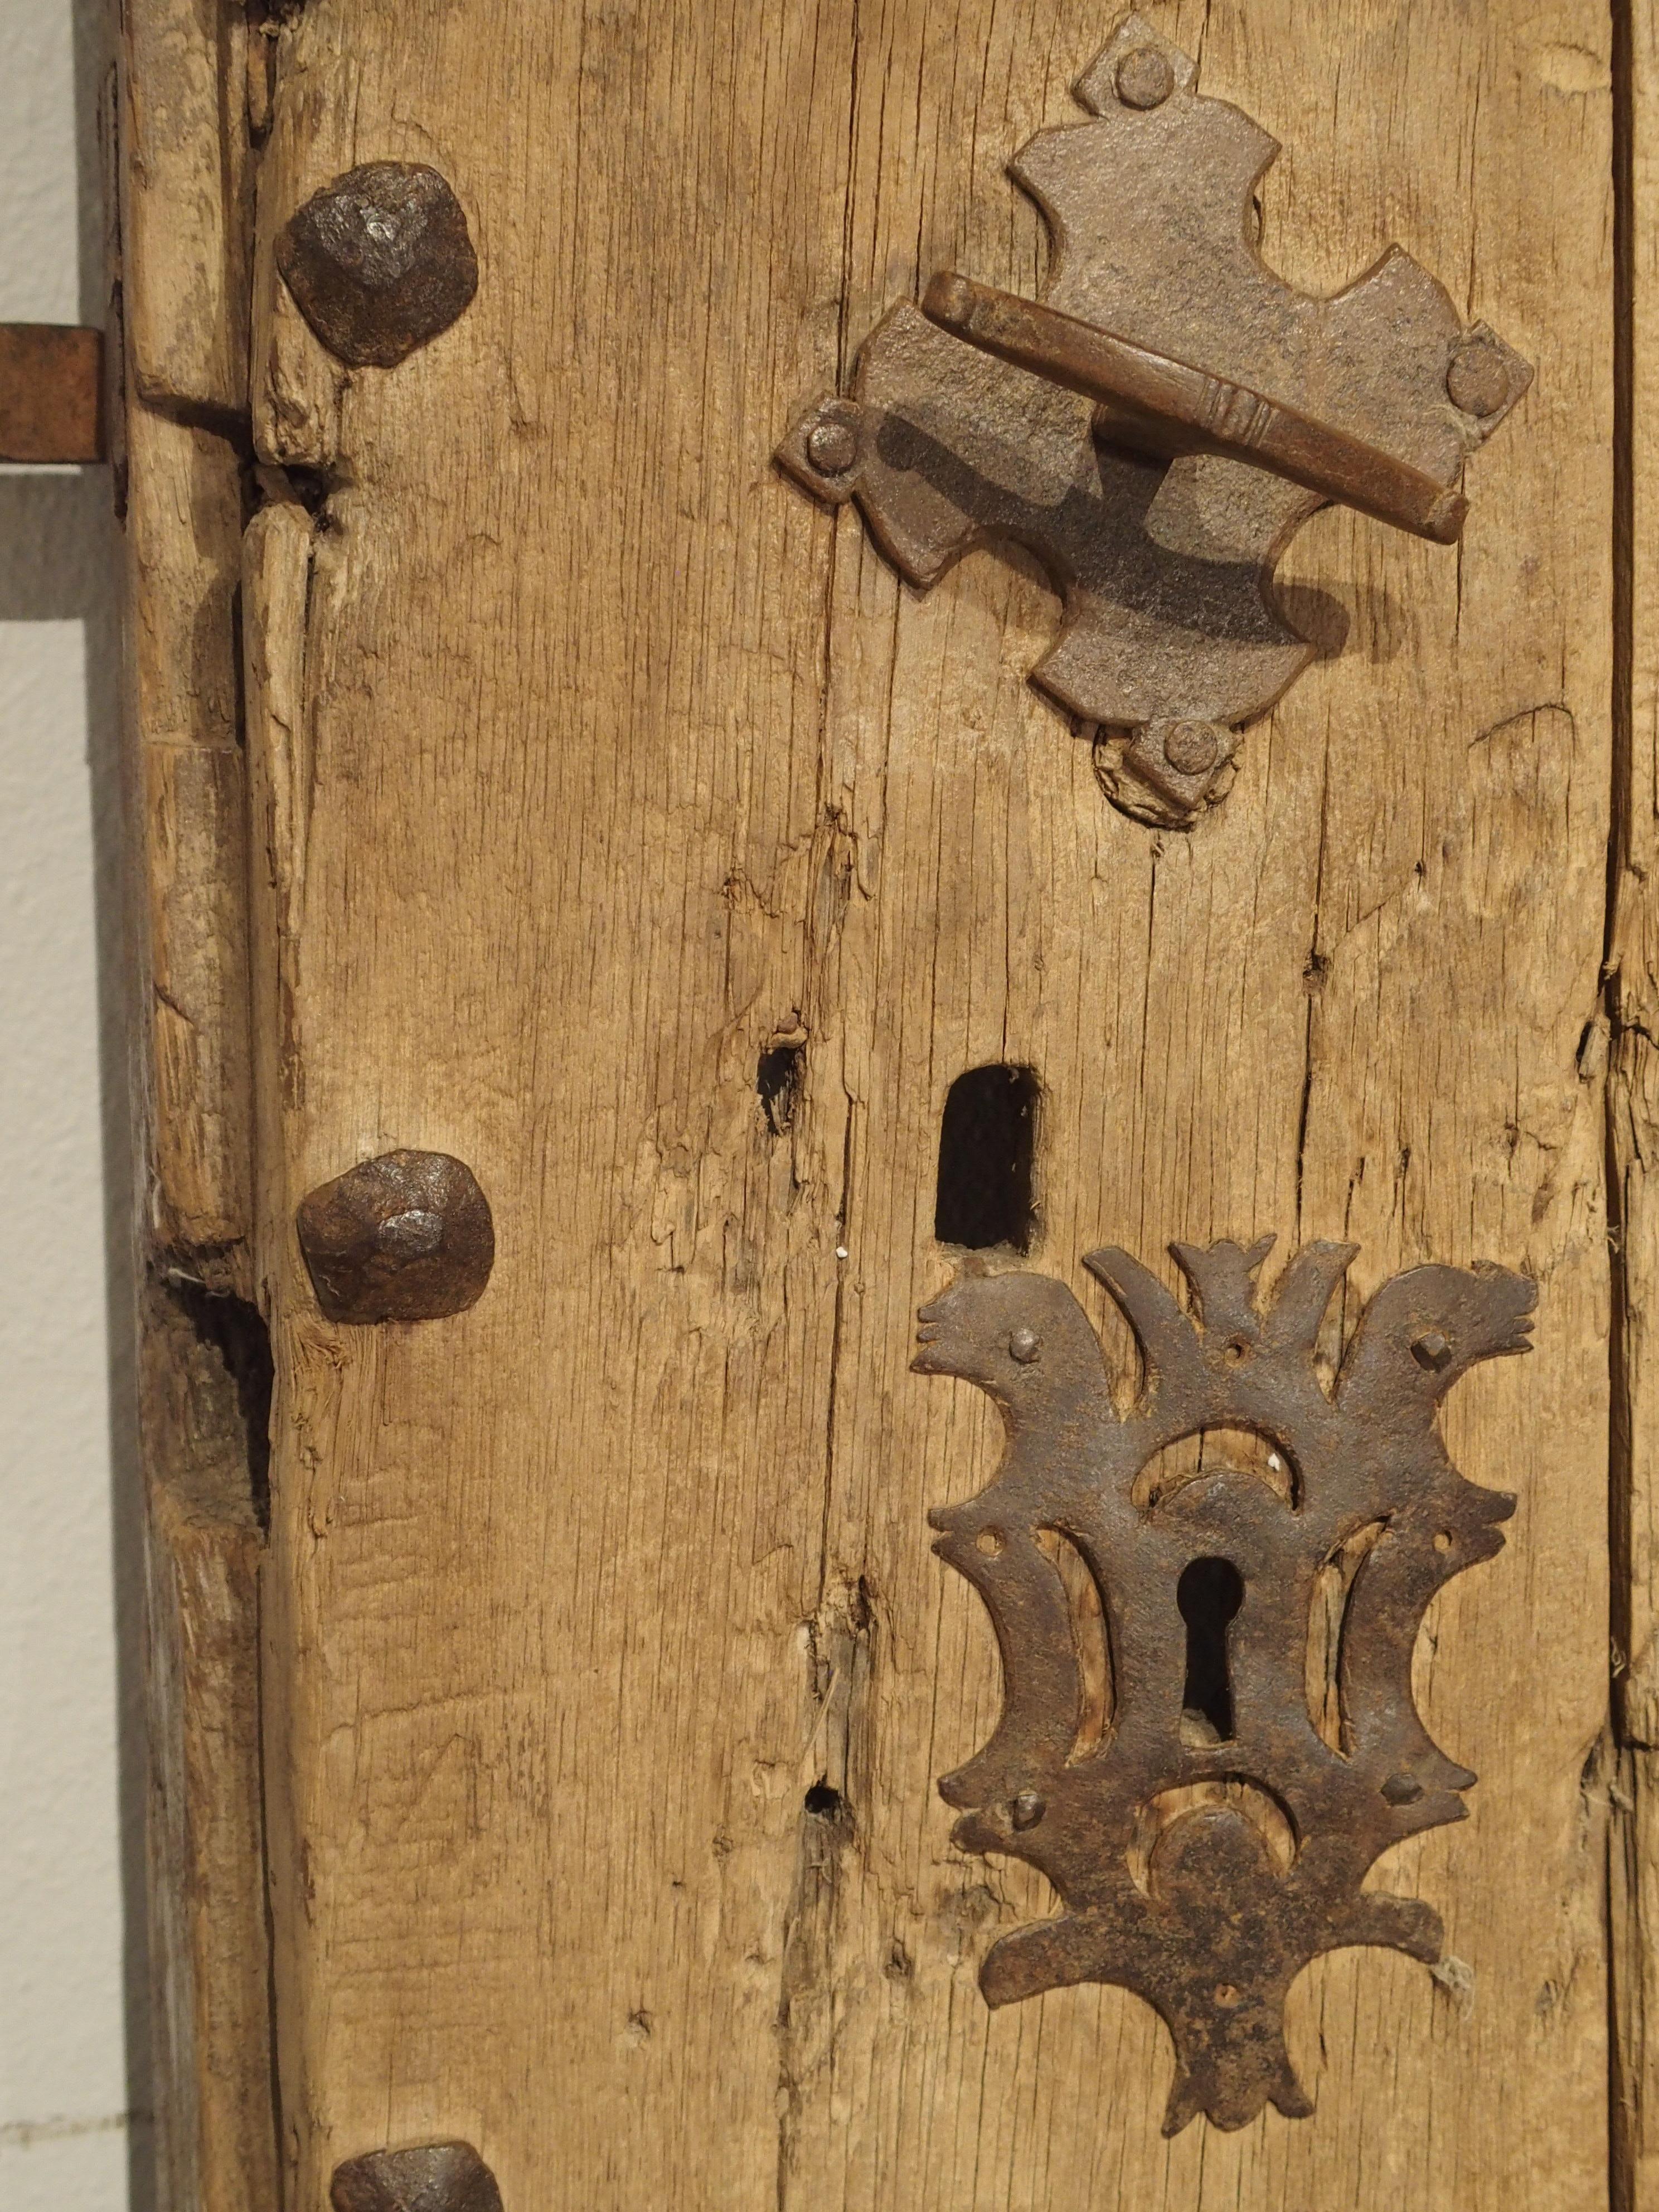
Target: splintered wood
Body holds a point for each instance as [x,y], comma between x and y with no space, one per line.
[607,1671]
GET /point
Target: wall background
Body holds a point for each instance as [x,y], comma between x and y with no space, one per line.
[73,2130]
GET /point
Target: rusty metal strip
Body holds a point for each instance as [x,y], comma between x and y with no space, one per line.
[51,392]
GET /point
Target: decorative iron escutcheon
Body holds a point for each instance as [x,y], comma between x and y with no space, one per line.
[1209,1838]
[1157,428]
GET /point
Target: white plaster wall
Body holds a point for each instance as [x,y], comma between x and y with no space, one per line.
[66,2125]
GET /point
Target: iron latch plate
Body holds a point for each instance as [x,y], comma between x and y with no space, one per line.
[1172,638]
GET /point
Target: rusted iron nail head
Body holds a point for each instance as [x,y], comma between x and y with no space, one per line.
[380,261]
[439,2176]
[408,1236]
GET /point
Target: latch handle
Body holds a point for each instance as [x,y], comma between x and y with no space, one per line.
[1167,407]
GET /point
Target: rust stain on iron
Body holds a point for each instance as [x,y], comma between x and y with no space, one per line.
[51,392]
[1204,1866]
[380,261]
[439,2176]
[1154,429]
[408,1236]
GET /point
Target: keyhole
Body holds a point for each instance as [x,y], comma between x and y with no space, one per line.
[1210,1592]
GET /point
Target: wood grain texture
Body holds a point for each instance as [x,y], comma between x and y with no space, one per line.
[588,760]
[183,530]
[183,144]
[187,167]
[1633,1128]
[217,2138]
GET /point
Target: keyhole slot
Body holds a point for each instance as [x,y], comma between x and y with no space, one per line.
[1209,1594]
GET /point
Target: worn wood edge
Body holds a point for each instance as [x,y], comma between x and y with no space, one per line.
[837,1745]
[184,213]
[1632,1020]
[215,2139]
[178,438]
[277,573]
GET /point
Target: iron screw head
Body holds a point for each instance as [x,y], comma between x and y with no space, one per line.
[440,2177]
[1024,1346]
[1431,1352]
[380,261]
[1191,748]
[1028,1809]
[1478,380]
[833,447]
[1145,77]
[408,1236]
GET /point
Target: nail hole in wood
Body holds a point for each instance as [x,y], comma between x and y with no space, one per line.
[778,1080]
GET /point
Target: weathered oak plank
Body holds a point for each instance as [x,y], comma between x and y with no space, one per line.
[590,761]
[183,148]
[1633,1128]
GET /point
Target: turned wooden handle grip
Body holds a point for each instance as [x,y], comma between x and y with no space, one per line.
[1171,407]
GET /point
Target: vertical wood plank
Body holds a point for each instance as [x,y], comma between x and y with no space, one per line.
[591,763]
[1633,1128]
[1351,1004]
[550,927]
[183,290]
[186,161]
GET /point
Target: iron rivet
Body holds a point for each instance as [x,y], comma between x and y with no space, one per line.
[440,2177]
[1401,1789]
[1431,1352]
[380,261]
[1478,380]
[407,1236]
[1028,1809]
[832,447]
[1191,748]
[1145,77]
[1024,1346]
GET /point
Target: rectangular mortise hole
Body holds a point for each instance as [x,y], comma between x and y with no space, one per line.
[987,1160]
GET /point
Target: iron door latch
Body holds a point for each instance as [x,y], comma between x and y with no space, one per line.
[1158,426]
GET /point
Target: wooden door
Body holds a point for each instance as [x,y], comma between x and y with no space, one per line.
[549,1698]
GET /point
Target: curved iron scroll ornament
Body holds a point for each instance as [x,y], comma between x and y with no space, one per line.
[1209,1926]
